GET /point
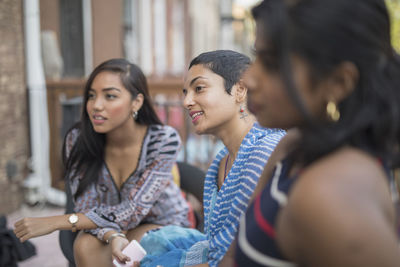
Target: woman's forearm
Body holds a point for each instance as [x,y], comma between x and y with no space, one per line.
[84,223]
[27,228]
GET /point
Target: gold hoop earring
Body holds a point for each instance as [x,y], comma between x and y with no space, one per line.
[332,111]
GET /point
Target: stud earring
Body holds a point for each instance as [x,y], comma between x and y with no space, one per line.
[332,111]
[242,112]
[135,115]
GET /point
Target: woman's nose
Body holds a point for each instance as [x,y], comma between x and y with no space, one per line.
[98,104]
[188,100]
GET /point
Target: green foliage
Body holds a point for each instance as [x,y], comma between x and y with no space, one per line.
[394,10]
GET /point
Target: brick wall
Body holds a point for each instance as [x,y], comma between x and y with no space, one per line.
[14,143]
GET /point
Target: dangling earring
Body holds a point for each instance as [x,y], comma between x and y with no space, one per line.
[242,112]
[332,111]
[135,115]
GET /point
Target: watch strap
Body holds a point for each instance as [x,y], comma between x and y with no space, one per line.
[73,224]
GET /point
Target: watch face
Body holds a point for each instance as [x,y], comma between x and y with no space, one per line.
[73,218]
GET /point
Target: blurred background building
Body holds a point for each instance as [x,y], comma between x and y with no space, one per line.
[48,47]
[14,130]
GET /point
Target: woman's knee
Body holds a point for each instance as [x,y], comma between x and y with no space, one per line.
[86,246]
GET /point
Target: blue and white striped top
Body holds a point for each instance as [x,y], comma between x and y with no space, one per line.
[223,208]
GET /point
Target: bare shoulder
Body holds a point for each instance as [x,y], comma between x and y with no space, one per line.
[334,211]
[350,173]
[350,168]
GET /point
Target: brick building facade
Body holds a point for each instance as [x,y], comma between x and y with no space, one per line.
[14,136]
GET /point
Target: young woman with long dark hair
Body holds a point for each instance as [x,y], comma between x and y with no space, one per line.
[327,70]
[118,164]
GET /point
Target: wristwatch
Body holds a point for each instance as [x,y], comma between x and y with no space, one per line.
[73,219]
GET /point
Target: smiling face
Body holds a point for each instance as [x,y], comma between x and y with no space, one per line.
[110,105]
[209,105]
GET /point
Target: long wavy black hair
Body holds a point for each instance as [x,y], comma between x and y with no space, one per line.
[326,33]
[87,155]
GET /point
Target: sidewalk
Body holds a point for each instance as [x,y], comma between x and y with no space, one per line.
[47,247]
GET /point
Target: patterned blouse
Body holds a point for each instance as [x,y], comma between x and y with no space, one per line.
[149,195]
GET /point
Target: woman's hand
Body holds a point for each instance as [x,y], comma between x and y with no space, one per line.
[28,228]
[117,245]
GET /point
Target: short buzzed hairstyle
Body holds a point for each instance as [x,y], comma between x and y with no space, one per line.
[228,64]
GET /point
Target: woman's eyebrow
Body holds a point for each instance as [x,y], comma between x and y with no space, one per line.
[110,89]
[195,79]
[107,89]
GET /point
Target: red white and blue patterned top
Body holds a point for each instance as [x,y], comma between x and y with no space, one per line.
[149,195]
[256,239]
[256,244]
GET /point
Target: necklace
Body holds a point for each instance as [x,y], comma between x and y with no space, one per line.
[226,165]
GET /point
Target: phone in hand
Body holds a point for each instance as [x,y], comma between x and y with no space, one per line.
[134,251]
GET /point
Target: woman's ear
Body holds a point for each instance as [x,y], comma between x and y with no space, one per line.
[240,91]
[343,81]
[137,103]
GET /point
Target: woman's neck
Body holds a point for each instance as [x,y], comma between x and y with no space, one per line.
[233,134]
[130,134]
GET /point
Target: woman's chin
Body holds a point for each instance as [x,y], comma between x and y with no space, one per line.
[199,131]
[100,130]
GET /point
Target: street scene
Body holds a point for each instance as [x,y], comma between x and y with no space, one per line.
[249,132]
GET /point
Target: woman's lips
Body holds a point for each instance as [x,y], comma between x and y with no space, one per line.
[97,119]
[195,115]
